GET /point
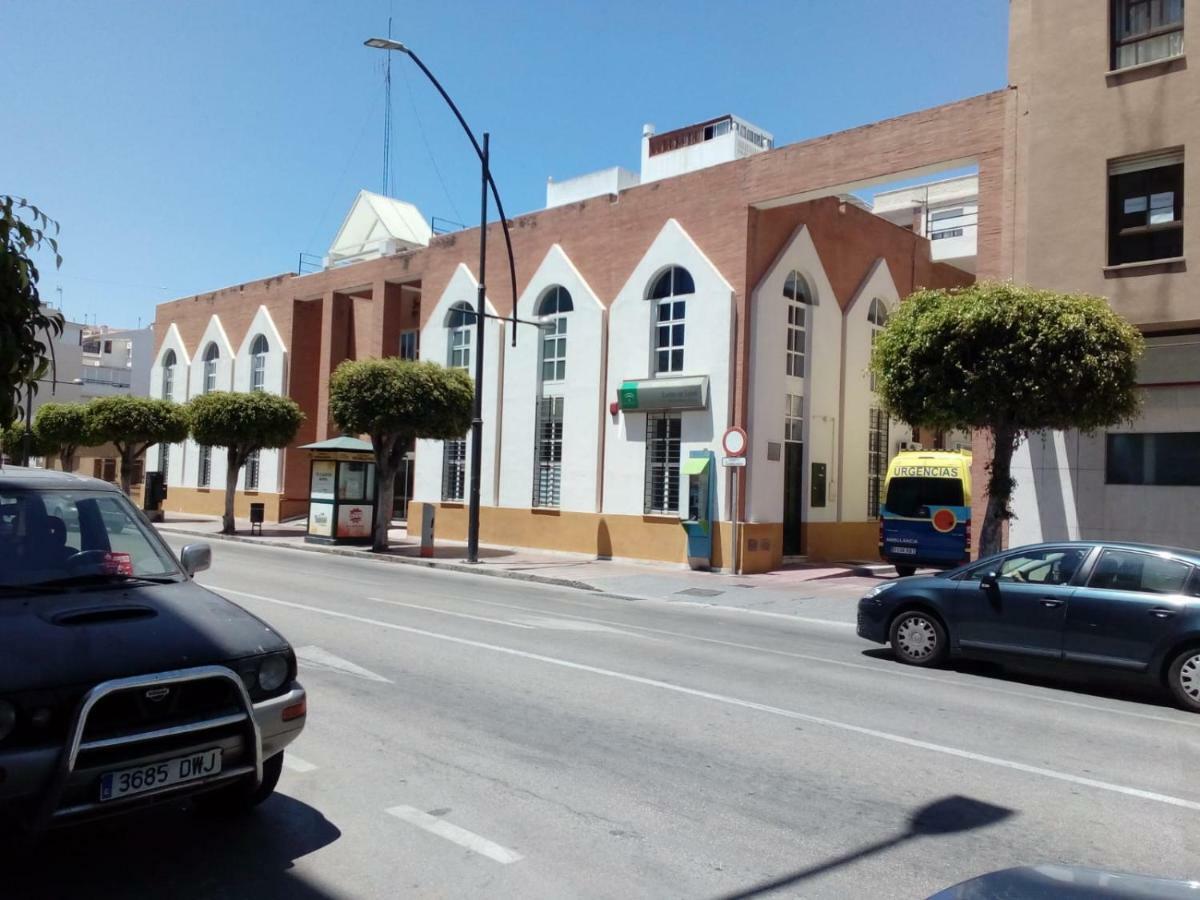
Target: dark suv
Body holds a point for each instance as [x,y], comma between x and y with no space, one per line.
[122,681]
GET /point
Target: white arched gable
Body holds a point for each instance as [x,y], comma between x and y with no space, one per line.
[172,341]
[214,333]
[770,383]
[276,361]
[581,390]
[708,350]
[462,287]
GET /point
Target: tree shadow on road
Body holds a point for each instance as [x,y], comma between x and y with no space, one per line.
[173,851]
[950,815]
[1057,676]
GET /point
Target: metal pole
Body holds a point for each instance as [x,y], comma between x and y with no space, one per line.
[737,474]
[27,437]
[477,410]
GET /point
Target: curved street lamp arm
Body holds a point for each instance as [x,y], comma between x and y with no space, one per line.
[512,266]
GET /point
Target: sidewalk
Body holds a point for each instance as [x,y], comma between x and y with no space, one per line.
[795,590]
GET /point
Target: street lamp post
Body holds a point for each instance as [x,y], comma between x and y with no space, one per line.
[480,310]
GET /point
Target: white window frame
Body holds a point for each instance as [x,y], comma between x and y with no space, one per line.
[258,363]
[460,322]
[212,353]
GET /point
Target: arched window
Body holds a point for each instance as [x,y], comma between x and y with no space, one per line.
[799,296]
[877,315]
[258,363]
[667,292]
[168,375]
[555,303]
[460,321]
[211,354]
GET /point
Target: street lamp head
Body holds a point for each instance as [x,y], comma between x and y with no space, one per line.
[385,44]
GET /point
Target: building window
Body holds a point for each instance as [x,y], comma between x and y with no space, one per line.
[666,292]
[252,470]
[460,321]
[1145,208]
[1146,30]
[547,452]
[168,375]
[454,469]
[1165,458]
[258,363]
[662,464]
[211,354]
[552,309]
[204,475]
[796,290]
[877,315]
[409,342]
[793,419]
[877,458]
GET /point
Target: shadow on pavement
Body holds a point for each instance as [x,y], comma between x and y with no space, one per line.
[1057,676]
[950,815]
[175,852]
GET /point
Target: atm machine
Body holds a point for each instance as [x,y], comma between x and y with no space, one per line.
[697,491]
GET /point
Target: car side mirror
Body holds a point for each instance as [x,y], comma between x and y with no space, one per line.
[989,581]
[195,558]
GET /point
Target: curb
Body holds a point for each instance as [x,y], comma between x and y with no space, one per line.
[464,567]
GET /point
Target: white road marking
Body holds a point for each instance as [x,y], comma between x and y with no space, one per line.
[460,836]
[323,659]
[894,671]
[447,612]
[752,705]
[836,623]
[296,764]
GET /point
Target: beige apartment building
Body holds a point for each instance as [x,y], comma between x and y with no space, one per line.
[1106,129]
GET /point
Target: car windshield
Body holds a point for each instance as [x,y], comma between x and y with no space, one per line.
[908,496]
[49,536]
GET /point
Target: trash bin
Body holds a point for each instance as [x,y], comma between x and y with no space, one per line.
[257,513]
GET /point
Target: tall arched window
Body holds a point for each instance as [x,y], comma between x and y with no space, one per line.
[168,375]
[258,363]
[799,296]
[877,315]
[555,303]
[459,322]
[211,354]
[668,292]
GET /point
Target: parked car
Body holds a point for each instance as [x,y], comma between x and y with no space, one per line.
[1121,606]
[122,681]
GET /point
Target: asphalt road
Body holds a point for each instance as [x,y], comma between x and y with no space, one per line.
[480,737]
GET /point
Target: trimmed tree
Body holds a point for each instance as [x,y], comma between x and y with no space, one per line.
[394,401]
[26,330]
[12,443]
[1006,360]
[66,427]
[243,424]
[133,425]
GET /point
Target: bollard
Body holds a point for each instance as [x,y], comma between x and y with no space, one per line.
[427,511]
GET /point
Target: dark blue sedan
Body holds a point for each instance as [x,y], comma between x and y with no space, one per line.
[1131,607]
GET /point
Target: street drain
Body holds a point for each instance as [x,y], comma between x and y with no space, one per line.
[700,592]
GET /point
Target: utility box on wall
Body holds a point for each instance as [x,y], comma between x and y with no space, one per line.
[817,486]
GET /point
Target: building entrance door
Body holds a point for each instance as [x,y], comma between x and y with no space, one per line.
[793,497]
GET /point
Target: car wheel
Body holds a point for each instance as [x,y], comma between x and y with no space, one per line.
[905,571]
[918,638]
[242,797]
[1183,678]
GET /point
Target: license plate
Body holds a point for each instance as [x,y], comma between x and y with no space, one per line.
[903,551]
[152,776]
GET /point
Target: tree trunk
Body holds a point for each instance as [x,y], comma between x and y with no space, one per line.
[233,466]
[126,468]
[385,488]
[66,459]
[1000,487]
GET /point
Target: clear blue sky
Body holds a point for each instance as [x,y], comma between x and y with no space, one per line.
[185,147]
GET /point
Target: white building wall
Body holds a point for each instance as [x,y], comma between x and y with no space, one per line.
[270,475]
[171,341]
[593,184]
[859,396]
[712,152]
[708,350]
[770,384]
[1060,476]
[582,392]
[427,476]
[214,333]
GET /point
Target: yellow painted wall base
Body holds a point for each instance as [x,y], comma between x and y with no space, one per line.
[211,502]
[838,541]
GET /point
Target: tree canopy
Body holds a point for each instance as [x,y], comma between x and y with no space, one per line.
[1008,360]
[26,329]
[134,424]
[12,443]
[243,423]
[394,401]
[66,427]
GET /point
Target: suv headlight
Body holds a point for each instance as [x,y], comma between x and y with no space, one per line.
[8,718]
[273,672]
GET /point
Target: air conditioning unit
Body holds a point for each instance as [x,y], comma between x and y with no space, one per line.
[910,445]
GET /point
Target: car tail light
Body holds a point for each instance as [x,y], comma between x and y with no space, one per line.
[881,533]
